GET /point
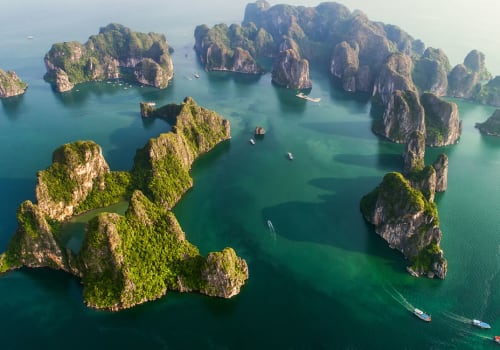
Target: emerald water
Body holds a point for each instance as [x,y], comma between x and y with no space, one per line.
[322,279]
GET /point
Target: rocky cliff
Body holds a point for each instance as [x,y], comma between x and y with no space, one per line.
[442,121]
[403,115]
[465,79]
[492,125]
[103,56]
[11,84]
[128,259]
[223,274]
[431,70]
[291,71]
[408,222]
[76,169]
[413,156]
[234,48]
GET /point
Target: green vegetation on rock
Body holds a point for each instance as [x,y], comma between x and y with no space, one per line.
[130,259]
[104,54]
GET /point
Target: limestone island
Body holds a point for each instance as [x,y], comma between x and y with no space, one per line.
[11,85]
[491,126]
[404,213]
[127,259]
[355,50]
[116,52]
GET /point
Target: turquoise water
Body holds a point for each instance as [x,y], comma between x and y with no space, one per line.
[321,280]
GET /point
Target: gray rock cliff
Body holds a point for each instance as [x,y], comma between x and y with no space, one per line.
[291,71]
[82,166]
[442,120]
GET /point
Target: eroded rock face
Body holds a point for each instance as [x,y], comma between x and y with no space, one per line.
[403,115]
[290,71]
[11,85]
[81,166]
[345,64]
[441,167]
[223,274]
[413,156]
[464,79]
[408,222]
[35,245]
[395,75]
[431,72]
[442,121]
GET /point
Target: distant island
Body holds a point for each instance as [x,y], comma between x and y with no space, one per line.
[491,126]
[11,85]
[128,259]
[116,52]
[353,48]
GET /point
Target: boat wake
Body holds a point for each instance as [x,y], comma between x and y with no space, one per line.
[399,298]
[271,229]
[457,317]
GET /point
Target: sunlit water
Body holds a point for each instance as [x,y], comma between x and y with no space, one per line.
[319,278]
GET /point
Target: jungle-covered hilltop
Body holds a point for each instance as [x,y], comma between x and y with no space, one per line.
[116,52]
[127,259]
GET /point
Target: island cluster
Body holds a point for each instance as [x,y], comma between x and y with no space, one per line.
[136,257]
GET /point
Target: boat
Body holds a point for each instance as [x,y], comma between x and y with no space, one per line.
[496,339]
[196,75]
[290,155]
[30,37]
[422,315]
[307,98]
[481,324]
[252,141]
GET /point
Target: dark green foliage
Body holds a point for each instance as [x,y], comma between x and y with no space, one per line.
[103,280]
[58,183]
[116,188]
[424,260]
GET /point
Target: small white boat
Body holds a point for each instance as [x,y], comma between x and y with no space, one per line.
[252,141]
[290,155]
[30,37]
[422,315]
[307,98]
[196,75]
[481,324]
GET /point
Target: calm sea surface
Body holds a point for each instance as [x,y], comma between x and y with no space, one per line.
[322,279]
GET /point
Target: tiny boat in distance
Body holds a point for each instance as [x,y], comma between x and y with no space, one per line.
[496,339]
[196,75]
[422,315]
[252,141]
[481,324]
[290,155]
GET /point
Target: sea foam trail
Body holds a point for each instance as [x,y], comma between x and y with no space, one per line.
[457,317]
[399,298]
